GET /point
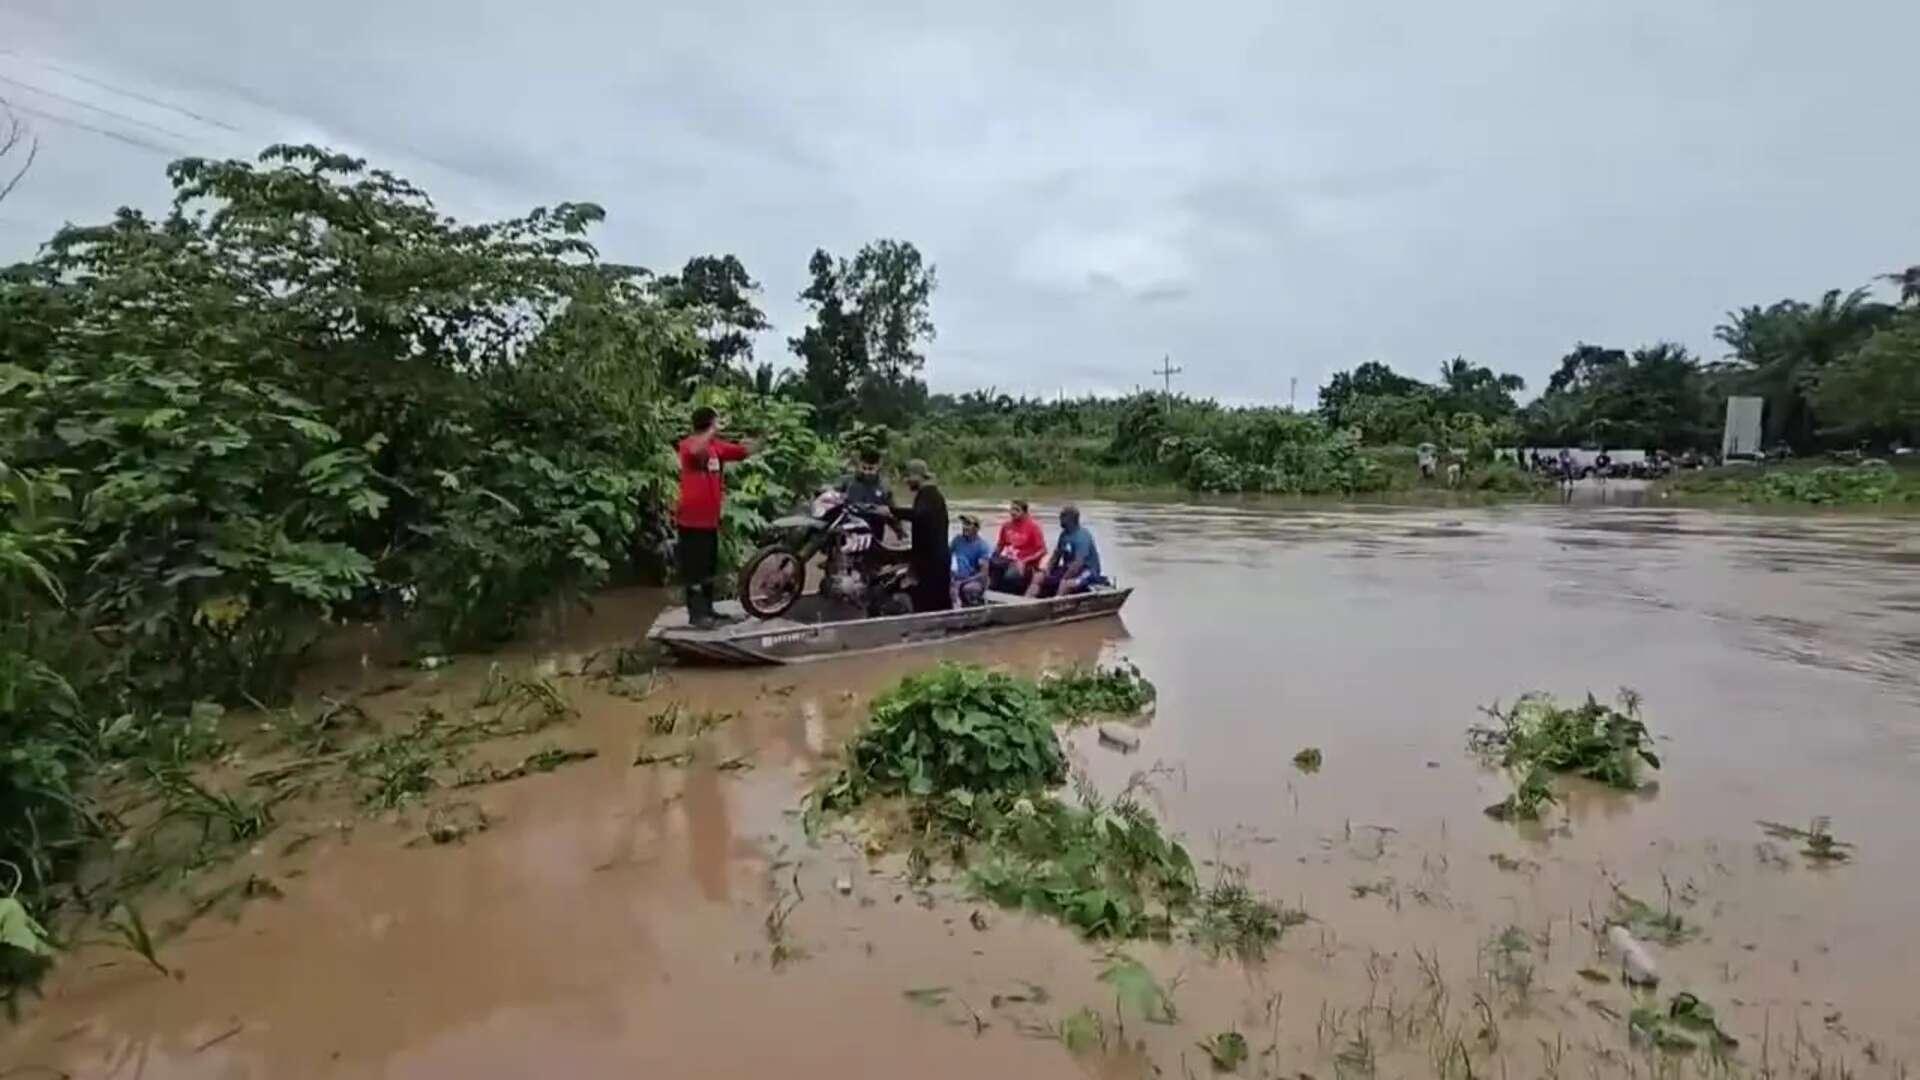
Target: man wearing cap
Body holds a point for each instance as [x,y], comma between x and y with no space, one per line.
[971,557]
[930,557]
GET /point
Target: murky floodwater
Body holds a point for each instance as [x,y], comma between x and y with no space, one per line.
[613,922]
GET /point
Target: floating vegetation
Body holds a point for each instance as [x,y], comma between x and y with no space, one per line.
[1599,742]
[975,756]
[516,694]
[1080,693]
[1817,839]
[543,760]
[955,728]
[1665,926]
[1686,1024]
[1308,760]
[1532,793]
[1227,1051]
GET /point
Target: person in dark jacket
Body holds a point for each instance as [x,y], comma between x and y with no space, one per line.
[931,557]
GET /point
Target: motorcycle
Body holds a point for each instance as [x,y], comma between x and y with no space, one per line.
[859,569]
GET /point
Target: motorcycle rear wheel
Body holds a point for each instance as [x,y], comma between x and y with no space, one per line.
[771,582]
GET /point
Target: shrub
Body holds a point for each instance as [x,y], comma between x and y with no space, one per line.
[954,728]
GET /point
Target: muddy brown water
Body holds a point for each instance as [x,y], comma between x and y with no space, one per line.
[614,920]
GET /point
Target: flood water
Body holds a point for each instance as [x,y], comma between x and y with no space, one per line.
[614,920]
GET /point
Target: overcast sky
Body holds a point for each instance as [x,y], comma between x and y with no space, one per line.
[1265,190]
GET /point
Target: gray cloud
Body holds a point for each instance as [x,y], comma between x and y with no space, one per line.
[1266,191]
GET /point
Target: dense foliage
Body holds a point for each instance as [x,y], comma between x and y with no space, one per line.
[954,728]
[301,396]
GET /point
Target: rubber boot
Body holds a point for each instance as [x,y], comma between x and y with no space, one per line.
[700,608]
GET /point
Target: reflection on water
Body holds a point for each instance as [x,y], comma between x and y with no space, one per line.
[616,921]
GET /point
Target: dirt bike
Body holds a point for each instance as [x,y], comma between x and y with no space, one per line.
[859,569]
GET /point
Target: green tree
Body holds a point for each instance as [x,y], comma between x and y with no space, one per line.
[1474,388]
[1874,393]
[1371,379]
[1784,347]
[717,293]
[870,316]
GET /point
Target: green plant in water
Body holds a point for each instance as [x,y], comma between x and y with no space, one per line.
[1308,760]
[1081,693]
[1227,1051]
[1666,926]
[955,728]
[1229,917]
[1106,870]
[1686,1024]
[517,694]
[1599,742]
[1532,793]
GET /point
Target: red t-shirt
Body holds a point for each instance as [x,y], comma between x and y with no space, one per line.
[1023,535]
[702,484]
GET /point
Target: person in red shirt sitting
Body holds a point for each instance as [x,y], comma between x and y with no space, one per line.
[1018,553]
[702,489]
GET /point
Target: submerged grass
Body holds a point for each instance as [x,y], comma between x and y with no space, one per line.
[975,757]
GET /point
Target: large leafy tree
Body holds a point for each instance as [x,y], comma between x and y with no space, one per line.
[1474,388]
[1873,394]
[1652,398]
[1369,380]
[304,390]
[861,352]
[1784,347]
[718,294]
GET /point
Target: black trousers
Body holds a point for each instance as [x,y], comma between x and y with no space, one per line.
[699,552]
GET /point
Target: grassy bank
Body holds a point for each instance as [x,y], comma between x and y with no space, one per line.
[1801,483]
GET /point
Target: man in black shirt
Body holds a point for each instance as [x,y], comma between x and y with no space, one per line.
[931,558]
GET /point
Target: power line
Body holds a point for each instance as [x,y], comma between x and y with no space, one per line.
[110,88]
[44,92]
[117,136]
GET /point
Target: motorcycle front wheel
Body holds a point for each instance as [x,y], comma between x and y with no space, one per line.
[771,581]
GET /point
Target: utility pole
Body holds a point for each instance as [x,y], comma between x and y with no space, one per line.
[1293,384]
[1167,371]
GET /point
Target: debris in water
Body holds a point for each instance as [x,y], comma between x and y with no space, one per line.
[1594,975]
[1119,736]
[1821,846]
[843,885]
[1308,760]
[926,995]
[455,822]
[1636,966]
[978,919]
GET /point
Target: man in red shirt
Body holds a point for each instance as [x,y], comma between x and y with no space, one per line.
[1018,553]
[702,489]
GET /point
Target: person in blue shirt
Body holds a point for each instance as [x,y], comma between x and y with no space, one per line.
[1076,558]
[971,555]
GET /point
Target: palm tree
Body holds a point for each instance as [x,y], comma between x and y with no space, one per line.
[1909,282]
[1783,348]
